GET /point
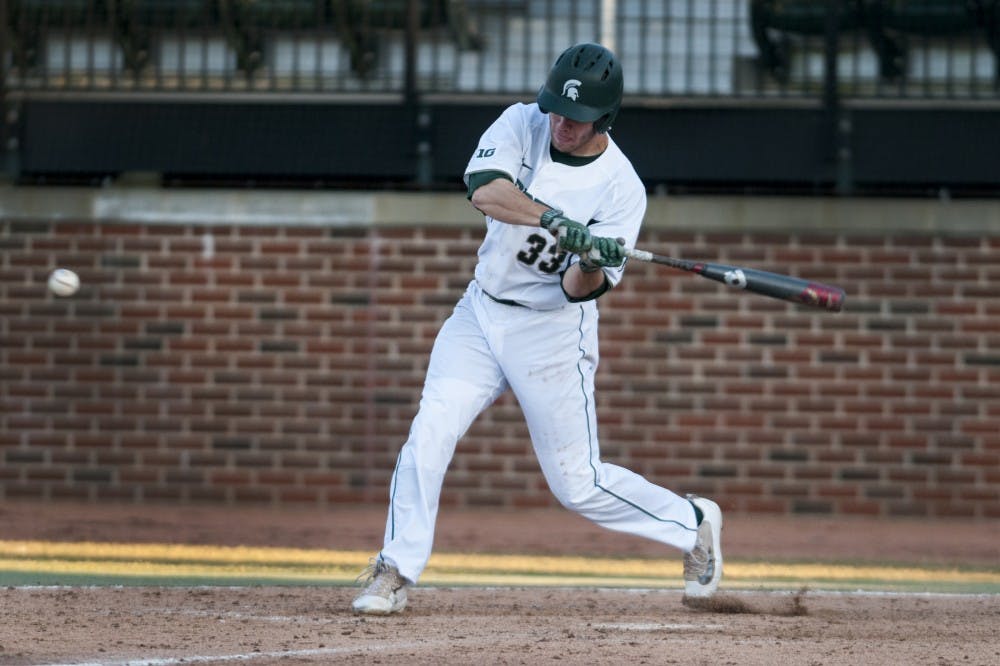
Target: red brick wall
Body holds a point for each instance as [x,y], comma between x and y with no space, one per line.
[285,368]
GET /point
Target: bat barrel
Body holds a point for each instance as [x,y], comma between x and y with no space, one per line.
[775,285]
[822,296]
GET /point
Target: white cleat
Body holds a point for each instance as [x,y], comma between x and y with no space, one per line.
[385,590]
[703,565]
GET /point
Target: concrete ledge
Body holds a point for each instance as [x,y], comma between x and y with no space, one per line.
[341,209]
[825,214]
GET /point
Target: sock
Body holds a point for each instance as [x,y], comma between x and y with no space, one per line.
[698,515]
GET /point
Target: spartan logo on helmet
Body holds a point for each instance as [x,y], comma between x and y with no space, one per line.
[571,89]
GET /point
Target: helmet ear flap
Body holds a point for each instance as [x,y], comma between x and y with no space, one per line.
[603,124]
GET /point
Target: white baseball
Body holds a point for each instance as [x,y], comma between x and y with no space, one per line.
[64,282]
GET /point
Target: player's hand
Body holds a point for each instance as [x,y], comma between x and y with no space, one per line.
[604,251]
[573,236]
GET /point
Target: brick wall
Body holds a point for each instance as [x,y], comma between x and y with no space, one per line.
[281,364]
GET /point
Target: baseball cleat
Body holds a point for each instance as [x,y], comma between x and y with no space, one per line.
[703,565]
[385,590]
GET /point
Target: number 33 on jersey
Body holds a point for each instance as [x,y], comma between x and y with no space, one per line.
[524,264]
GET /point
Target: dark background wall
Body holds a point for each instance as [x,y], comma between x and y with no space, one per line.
[915,151]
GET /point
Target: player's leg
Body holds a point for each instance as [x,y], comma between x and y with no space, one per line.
[563,426]
[556,392]
[462,379]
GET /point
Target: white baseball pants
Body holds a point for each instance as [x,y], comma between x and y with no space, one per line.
[548,358]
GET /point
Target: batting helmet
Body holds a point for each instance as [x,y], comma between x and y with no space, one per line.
[585,84]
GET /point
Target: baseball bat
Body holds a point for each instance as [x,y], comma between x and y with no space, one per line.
[775,285]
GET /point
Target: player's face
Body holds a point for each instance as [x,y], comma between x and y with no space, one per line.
[575,138]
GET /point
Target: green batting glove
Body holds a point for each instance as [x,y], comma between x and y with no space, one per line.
[573,236]
[603,252]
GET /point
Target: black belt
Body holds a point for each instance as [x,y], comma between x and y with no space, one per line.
[502,301]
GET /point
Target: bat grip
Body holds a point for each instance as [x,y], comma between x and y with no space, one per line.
[638,255]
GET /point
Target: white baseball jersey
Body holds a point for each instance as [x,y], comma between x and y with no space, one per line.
[524,264]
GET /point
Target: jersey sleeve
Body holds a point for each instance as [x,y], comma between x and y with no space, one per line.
[477,179]
[502,144]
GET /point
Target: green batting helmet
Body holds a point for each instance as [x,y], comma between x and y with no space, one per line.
[585,84]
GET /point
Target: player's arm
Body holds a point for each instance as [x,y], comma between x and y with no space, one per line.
[493,193]
[580,285]
[586,280]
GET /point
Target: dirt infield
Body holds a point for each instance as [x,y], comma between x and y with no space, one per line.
[162,626]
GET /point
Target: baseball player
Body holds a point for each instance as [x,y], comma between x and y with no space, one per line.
[559,199]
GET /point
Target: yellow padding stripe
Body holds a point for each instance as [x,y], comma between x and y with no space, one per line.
[291,564]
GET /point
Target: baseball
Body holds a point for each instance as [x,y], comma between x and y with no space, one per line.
[63,282]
